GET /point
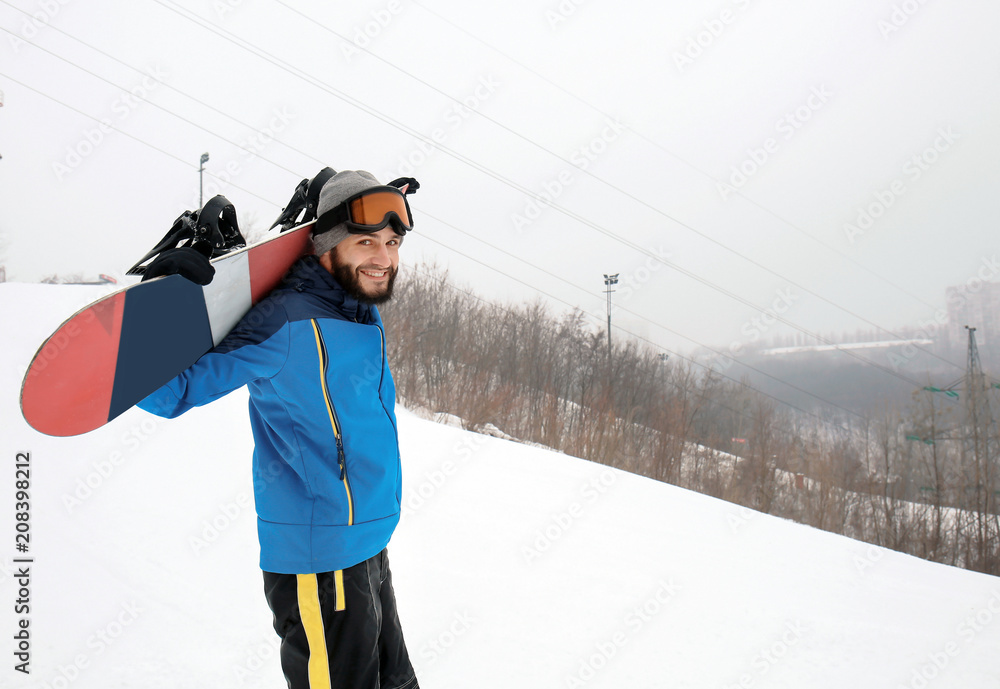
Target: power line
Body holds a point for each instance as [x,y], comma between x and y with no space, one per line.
[510,183]
[217,31]
[104,53]
[158,106]
[650,342]
[627,310]
[690,165]
[125,133]
[654,345]
[90,72]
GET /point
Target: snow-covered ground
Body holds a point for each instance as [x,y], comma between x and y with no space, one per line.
[514,567]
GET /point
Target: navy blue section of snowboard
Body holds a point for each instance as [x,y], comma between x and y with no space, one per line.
[165,328]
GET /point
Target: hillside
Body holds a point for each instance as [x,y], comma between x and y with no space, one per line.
[513,566]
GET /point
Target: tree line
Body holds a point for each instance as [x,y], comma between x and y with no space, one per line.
[552,379]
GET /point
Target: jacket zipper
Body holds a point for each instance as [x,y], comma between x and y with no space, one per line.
[324,365]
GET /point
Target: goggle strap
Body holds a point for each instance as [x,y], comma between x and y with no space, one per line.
[331,219]
[407,185]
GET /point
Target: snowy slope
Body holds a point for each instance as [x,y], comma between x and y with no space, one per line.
[514,567]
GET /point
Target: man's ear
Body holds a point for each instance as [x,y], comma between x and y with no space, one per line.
[326,260]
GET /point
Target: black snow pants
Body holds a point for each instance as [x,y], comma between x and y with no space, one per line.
[340,629]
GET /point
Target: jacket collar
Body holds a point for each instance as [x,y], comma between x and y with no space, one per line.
[307,275]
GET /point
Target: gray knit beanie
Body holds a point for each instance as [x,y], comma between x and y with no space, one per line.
[338,189]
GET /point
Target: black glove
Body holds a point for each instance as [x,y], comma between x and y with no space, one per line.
[185,261]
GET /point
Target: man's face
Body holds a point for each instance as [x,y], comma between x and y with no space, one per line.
[365,264]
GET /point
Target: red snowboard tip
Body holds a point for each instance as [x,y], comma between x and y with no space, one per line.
[67,390]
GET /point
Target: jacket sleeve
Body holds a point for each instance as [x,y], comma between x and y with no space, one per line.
[244,355]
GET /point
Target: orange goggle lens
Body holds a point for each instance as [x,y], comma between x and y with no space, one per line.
[372,210]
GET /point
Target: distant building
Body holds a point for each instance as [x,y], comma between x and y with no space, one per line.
[976,305]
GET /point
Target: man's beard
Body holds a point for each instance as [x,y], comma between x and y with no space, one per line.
[348,278]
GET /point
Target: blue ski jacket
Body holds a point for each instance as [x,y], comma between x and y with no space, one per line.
[326,466]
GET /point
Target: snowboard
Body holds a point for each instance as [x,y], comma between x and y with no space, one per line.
[121,348]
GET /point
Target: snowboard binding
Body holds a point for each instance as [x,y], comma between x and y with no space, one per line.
[212,231]
[304,201]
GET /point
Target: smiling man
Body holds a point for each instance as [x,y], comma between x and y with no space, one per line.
[326,463]
[359,227]
[366,265]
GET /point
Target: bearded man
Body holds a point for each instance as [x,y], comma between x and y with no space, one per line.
[326,463]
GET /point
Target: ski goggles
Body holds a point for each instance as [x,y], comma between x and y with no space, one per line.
[369,211]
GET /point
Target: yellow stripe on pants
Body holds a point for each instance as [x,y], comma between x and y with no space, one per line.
[312,622]
[338,581]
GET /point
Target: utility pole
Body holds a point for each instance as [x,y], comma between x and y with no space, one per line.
[980,450]
[980,425]
[201,185]
[609,281]
[977,488]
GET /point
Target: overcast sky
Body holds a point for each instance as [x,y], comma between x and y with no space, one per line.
[835,162]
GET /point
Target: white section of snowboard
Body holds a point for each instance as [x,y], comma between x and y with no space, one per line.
[228,295]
